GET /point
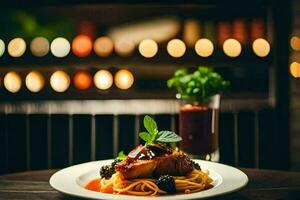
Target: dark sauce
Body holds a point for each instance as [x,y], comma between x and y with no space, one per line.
[149,152]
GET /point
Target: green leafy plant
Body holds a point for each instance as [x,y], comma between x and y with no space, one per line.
[199,85]
[153,136]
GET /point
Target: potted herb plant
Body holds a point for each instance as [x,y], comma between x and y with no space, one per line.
[199,113]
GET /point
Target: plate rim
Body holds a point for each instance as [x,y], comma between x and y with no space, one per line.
[92,195]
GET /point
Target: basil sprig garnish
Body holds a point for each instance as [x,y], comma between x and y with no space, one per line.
[153,136]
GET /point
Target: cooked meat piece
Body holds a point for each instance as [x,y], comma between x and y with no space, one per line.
[176,164]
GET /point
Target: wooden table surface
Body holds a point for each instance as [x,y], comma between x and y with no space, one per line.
[263,184]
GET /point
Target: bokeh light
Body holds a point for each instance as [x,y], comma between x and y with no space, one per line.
[34,81]
[295,43]
[148,48]
[60,81]
[204,47]
[39,46]
[261,47]
[82,80]
[124,79]
[103,46]
[176,48]
[12,82]
[295,69]
[124,47]
[2,47]
[82,45]
[103,79]
[232,47]
[60,47]
[16,47]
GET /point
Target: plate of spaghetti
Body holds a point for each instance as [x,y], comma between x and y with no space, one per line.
[155,170]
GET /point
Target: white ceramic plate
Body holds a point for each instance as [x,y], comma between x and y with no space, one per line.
[72,180]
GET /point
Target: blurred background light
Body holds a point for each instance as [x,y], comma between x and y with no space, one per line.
[34,81]
[204,47]
[176,48]
[124,79]
[257,29]
[60,81]
[16,47]
[232,47]
[240,31]
[261,47]
[148,48]
[82,80]
[82,45]
[12,82]
[295,43]
[224,32]
[124,47]
[191,32]
[39,46]
[295,69]
[2,47]
[103,79]
[60,47]
[103,46]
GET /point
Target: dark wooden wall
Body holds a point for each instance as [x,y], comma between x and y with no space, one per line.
[41,141]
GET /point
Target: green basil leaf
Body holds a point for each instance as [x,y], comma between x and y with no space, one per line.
[121,155]
[168,136]
[150,125]
[145,136]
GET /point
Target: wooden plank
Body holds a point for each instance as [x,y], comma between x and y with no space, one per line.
[59,125]
[16,127]
[3,147]
[81,138]
[104,136]
[271,155]
[246,130]
[226,140]
[163,121]
[38,127]
[126,129]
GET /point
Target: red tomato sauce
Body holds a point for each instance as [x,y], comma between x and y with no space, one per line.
[93,185]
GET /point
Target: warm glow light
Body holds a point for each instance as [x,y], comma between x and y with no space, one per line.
[148,48]
[124,79]
[16,47]
[295,69]
[60,81]
[103,79]
[2,47]
[34,81]
[176,48]
[124,47]
[12,82]
[232,47]
[39,46]
[60,47]
[82,80]
[204,47]
[261,47]
[191,32]
[82,45]
[103,46]
[295,43]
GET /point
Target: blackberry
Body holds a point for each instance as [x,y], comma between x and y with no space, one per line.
[116,161]
[167,184]
[107,171]
[196,165]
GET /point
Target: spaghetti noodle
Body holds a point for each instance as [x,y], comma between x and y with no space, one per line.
[194,182]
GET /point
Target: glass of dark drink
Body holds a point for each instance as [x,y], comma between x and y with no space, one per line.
[199,128]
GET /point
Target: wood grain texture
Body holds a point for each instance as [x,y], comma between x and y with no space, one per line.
[263,184]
